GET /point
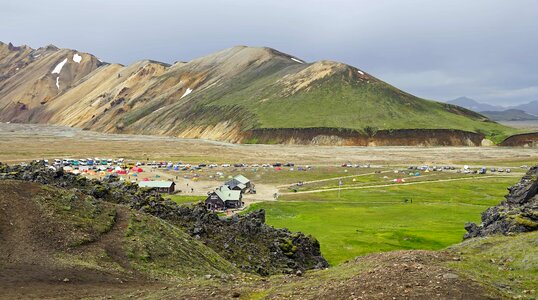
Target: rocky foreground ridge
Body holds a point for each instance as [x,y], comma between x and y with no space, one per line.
[518,213]
[245,240]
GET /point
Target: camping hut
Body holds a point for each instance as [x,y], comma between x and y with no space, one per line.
[223,198]
[239,183]
[160,186]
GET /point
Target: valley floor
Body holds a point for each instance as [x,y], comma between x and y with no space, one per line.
[363,215]
[22,142]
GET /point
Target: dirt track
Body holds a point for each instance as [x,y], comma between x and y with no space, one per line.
[399,184]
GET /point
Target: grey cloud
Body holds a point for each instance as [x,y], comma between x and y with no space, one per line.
[484,49]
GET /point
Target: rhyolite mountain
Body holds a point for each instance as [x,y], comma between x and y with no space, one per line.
[241,94]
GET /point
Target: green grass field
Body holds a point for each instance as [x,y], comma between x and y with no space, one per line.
[357,222]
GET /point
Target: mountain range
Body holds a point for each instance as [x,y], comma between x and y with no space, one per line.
[530,108]
[509,115]
[241,94]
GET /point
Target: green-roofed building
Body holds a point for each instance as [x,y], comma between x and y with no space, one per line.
[223,198]
[239,183]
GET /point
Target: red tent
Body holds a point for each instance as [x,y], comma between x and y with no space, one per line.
[137,169]
[145,179]
[278,168]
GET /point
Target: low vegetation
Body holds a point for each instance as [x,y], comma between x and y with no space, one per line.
[356,222]
[77,214]
[504,263]
[162,250]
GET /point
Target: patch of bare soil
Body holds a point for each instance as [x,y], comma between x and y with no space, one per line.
[406,275]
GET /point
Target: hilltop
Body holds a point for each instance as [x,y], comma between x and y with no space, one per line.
[241,94]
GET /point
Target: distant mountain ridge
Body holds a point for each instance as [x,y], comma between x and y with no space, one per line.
[475,105]
[531,107]
[509,115]
[528,108]
[240,94]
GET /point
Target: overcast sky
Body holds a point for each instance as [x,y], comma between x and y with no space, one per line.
[484,49]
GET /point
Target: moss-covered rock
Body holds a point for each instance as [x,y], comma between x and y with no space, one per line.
[518,213]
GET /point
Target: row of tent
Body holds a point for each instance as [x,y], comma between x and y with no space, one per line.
[118,170]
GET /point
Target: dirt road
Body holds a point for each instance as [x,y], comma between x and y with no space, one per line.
[398,184]
[335,178]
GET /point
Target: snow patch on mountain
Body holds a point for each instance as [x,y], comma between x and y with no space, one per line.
[296,60]
[360,72]
[59,67]
[77,58]
[58,82]
[188,91]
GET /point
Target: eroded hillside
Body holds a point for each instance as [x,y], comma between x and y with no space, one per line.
[241,94]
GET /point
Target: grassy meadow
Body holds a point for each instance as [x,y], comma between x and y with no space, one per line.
[361,221]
